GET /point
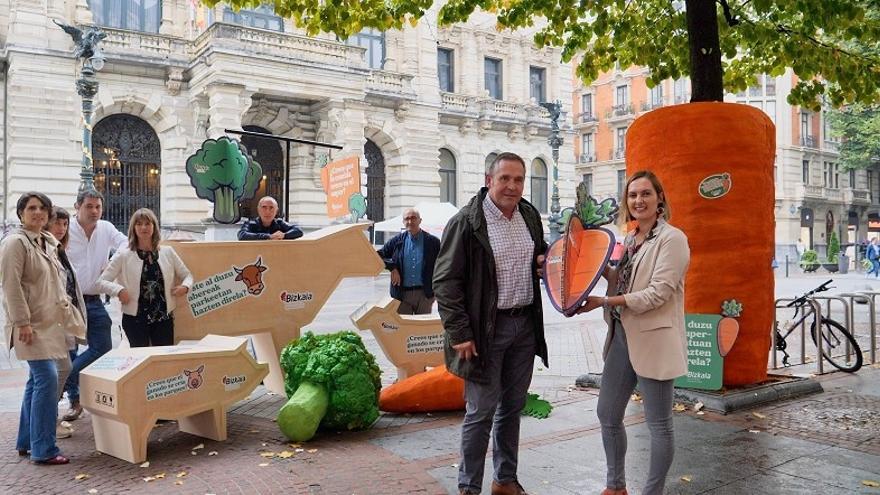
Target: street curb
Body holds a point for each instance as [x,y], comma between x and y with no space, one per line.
[724,402]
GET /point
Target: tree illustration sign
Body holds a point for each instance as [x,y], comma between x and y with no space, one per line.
[223,172]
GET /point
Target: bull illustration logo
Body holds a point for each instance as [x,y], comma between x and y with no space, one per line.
[252,276]
[194,377]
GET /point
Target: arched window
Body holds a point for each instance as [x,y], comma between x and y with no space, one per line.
[270,155]
[134,15]
[539,185]
[447,176]
[489,159]
[128,163]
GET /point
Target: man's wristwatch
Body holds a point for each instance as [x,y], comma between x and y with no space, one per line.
[605,302]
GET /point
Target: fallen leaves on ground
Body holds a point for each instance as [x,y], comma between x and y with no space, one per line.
[199,446]
[686,478]
[146,464]
[182,474]
[294,445]
[82,476]
[213,452]
[678,407]
[267,455]
[178,482]
[312,451]
[285,455]
[263,464]
[635,398]
[698,406]
[759,415]
[871,483]
[92,490]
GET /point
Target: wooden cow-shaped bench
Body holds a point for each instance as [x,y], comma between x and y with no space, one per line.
[128,389]
[269,289]
[411,342]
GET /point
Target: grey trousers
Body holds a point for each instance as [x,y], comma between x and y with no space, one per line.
[496,406]
[415,302]
[618,382]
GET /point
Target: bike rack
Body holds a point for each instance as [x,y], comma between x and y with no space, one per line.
[817,314]
[847,314]
[870,296]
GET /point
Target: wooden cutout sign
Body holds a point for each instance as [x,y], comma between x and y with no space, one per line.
[411,342]
[269,289]
[128,389]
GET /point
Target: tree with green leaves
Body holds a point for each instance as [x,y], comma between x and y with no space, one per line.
[859,127]
[832,47]
[223,172]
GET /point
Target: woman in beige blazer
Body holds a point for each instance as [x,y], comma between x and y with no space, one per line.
[646,343]
[144,276]
[37,307]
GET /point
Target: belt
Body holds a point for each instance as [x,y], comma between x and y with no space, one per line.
[515,312]
[91,298]
[413,288]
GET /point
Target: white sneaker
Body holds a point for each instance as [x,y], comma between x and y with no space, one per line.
[63,430]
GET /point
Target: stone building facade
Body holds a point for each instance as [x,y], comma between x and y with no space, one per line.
[426,108]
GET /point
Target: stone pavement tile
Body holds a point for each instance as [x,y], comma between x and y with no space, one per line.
[840,468]
[772,482]
[340,464]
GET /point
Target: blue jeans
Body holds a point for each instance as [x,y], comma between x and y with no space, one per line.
[875,267]
[98,338]
[39,411]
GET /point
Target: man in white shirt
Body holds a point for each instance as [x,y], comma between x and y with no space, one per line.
[89,248]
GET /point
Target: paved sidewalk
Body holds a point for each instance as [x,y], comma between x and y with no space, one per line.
[824,444]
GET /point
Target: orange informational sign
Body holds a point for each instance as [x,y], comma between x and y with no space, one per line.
[341,180]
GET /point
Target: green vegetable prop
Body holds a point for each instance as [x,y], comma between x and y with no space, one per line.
[222,172]
[537,408]
[332,381]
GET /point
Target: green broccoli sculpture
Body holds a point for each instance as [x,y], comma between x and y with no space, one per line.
[222,172]
[332,381]
[357,205]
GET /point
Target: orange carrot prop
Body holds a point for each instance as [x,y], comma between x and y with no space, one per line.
[433,390]
[715,161]
[575,261]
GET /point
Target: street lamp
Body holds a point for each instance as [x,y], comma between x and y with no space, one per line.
[87,50]
[555,141]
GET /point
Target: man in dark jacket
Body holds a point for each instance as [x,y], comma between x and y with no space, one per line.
[266,226]
[410,256]
[486,283]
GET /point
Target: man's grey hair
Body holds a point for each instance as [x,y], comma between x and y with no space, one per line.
[506,156]
[269,198]
[412,210]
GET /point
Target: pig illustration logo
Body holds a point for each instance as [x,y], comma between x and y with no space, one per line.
[252,276]
[194,377]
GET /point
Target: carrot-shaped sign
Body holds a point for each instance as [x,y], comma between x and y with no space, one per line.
[728,327]
[575,261]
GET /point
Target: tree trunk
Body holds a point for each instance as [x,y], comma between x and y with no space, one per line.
[707,81]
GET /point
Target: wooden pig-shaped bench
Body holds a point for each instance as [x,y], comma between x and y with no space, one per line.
[411,342]
[127,390]
[269,289]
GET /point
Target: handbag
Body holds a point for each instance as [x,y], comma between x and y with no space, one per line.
[74,323]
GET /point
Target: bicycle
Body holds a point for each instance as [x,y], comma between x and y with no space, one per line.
[833,333]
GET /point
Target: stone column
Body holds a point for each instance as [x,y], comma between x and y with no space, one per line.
[226,105]
[168,11]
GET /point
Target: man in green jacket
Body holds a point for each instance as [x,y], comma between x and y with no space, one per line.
[486,285]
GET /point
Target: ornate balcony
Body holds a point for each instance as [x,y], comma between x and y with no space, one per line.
[148,47]
[808,142]
[587,158]
[390,84]
[260,43]
[861,197]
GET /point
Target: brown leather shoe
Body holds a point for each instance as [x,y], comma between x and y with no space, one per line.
[512,488]
[466,491]
[611,491]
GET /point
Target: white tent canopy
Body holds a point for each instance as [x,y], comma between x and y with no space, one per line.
[434,218]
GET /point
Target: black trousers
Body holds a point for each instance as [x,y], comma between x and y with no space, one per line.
[143,334]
